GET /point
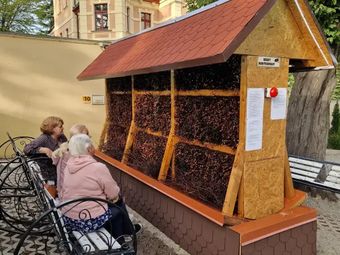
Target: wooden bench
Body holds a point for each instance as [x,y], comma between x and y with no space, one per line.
[52,224]
[320,174]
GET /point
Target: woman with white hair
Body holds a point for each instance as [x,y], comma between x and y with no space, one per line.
[85,177]
[62,155]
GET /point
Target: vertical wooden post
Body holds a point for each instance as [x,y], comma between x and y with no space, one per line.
[289,188]
[103,134]
[234,183]
[132,130]
[263,173]
[235,180]
[170,145]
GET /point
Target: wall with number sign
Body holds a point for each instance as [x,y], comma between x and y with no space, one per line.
[38,79]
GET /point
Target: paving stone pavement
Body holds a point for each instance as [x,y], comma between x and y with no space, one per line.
[328,232]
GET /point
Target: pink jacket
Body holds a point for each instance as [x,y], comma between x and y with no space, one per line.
[60,161]
[85,177]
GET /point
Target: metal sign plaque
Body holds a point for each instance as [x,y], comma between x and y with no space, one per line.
[268,62]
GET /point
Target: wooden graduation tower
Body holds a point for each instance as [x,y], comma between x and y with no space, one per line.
[187,114]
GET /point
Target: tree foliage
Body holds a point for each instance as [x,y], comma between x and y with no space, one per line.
[334,132]
[335,128]
[26,16]
[327,13]
[196,4]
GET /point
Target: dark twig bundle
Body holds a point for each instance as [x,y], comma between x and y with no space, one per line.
[153,112]
[218,76]
[147,153]
[202,173]
[116,140]
[153,81]
[120,84]
[120,110]
[208,119]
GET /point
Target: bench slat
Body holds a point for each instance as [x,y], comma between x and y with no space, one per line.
[335,174]
[336,168]
[95,238]
[325,184]
[304,173]
[305,162]
[332,185]
[333,179]
[108,238]
[304,167]
[83,241]
[303,178]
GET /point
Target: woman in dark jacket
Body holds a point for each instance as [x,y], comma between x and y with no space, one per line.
[42,147]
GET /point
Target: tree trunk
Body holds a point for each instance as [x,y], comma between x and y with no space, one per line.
[308,113]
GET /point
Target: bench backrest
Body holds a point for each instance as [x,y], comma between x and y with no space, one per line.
[325,175]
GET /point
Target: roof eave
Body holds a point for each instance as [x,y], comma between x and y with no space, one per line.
[179,65]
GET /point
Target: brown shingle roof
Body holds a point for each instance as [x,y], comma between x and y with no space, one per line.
[209,36]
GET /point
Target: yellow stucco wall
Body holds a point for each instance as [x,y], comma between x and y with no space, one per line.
[38,79]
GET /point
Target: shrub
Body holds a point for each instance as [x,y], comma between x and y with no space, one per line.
[334,132]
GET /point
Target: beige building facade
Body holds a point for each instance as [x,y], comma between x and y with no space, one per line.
[38,79]
[109,20]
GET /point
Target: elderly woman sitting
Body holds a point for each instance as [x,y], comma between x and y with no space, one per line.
[85,177]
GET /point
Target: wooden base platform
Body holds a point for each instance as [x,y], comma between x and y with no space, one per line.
[292,230]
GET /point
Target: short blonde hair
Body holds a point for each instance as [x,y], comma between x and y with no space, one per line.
[50,123]
[80,145]
[78,129]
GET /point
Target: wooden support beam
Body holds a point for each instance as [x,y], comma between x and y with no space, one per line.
[121,92]
[103,134]
[151,132]
[240,199]
[152,92]
[236,186]
[170,145]
[263,174]
[132,130]
[211,146]
[234,183]
[289,188]
[209,92]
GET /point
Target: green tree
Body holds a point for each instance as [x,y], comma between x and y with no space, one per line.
[196,4]
[334,132]
[45,17]
[26,16]
[308,109]
[335,128]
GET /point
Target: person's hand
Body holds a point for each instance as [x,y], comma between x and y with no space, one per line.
[46,151]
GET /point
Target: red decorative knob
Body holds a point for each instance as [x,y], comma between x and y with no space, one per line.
[273,92]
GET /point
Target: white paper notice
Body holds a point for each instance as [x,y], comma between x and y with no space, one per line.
[254,126]
[279,105]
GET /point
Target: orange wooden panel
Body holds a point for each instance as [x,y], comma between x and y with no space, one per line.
[273,224]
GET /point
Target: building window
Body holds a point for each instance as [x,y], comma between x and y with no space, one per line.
[145,20]
[128,19]
[101,17]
